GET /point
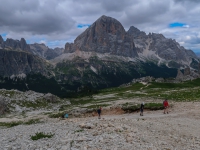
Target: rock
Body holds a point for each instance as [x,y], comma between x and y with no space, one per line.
[45,52]
[87,126]
[21,62]
[3,106]
[1,40]
[186,71]
[16,44]
[68,47]
[156,46]
[50,98]
[129,139]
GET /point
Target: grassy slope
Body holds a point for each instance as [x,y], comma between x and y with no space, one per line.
[187,91]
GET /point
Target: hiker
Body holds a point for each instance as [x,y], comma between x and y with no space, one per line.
[99,112]
[166,105]
[141,108]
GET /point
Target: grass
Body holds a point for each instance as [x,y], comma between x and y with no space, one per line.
[81,130]
[151,106]
[10,124]
[185,91]
[64,107]
[40,135]
[16,123]
[57,115]
[97,106]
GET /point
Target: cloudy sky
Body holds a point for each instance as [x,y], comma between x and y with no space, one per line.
[55,22]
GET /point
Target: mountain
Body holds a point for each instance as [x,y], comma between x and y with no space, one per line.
[104,55]
[14,44]
[21,69]
[157,47]
[106,35]
[17,58]
[45,52]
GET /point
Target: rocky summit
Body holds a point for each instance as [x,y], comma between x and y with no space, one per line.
[106,35]
[158,47]
[45,52]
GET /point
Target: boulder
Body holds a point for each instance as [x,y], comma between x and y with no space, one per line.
[50,98]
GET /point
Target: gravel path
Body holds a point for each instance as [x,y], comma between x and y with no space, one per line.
[178,130]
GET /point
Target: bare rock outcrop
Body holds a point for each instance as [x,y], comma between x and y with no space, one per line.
[68,48]
[187,74]
[45,52]
[17,62]
[187,71]
[156,45]
[50,98]
[3,106]
[16,45]
[1,39]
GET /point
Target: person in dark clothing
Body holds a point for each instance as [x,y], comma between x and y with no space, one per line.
[141,108]
[99,112]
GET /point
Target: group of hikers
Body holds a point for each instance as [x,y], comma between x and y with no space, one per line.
[165,105]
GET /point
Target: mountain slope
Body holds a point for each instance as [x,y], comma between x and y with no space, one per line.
[164,50]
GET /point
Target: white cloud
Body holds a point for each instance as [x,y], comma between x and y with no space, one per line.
[53,20]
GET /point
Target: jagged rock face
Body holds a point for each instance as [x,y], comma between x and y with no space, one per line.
[3,106]
[179,75]
[158,46]
[68,48]
[17,62]
[186,71]
[43,51]
[16,45]
[106,35]
[187,75]
[1,39]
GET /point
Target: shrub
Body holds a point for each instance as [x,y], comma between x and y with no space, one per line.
[40,135]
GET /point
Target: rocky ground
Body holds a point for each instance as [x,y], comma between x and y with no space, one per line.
[153,131]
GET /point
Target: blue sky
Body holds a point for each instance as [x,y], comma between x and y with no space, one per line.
[57,22]
[178,25]
[83,25]
[4,35]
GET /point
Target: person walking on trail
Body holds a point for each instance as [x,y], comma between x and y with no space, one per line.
[166,106]
[99,112]
[141,108]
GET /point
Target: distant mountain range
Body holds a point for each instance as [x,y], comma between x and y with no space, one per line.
[104,55]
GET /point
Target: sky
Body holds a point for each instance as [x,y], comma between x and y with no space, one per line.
[55,22]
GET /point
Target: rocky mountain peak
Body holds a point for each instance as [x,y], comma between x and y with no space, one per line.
[105,35]
[24,45]
[1,39]
[16,44]
[44,51]
[135,32]
[68,47]
[109,25]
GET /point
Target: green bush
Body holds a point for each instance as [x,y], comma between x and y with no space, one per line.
[40,135]
[16,123]
[10,124]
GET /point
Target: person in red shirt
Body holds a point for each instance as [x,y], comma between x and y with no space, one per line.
[166,106]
